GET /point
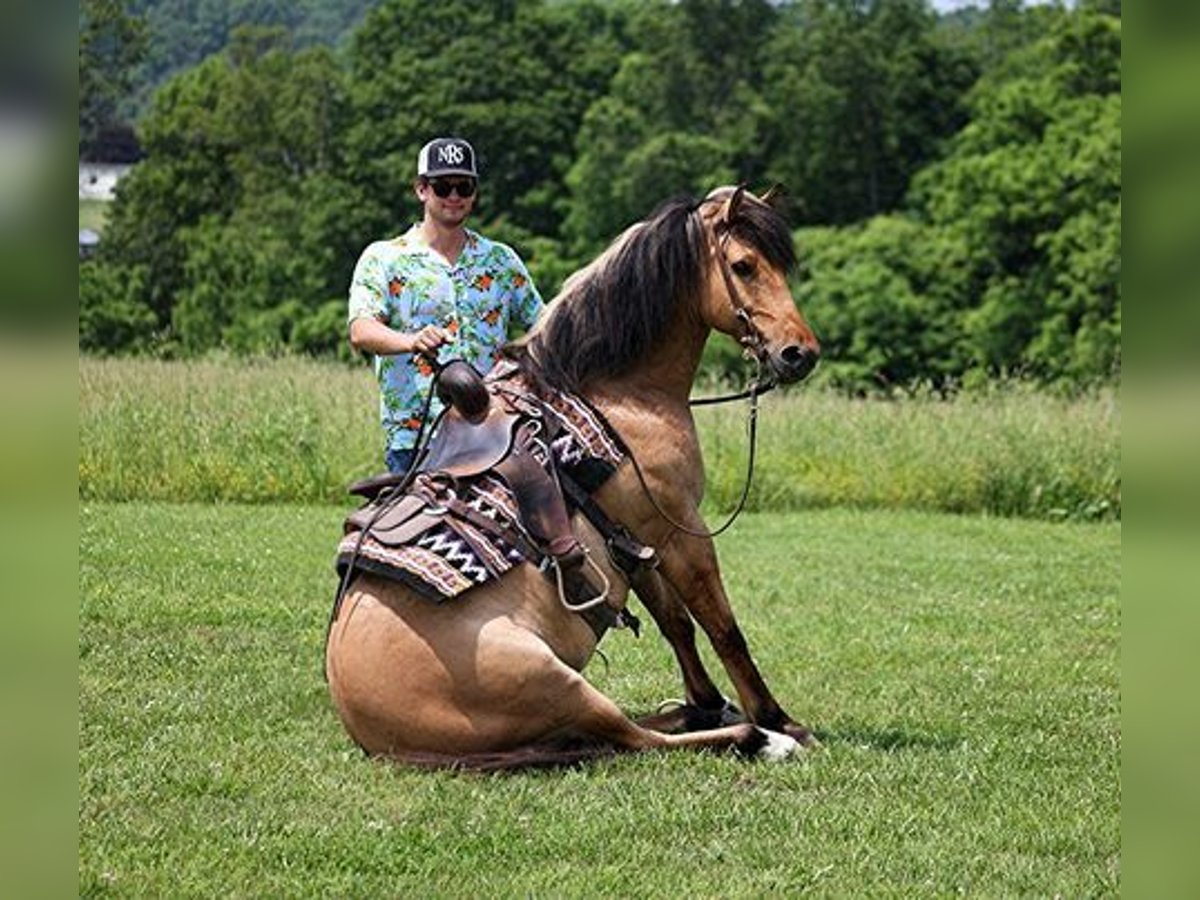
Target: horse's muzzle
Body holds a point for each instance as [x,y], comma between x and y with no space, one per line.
[795,362]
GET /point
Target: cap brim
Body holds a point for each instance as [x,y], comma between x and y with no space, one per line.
[440,172]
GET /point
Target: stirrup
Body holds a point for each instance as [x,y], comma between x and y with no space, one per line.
[586,604]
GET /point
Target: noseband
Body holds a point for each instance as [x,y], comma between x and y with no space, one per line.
[752,339]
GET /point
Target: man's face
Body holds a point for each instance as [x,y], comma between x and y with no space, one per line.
[448,199]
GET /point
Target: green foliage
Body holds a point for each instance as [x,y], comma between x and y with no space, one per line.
[239,215]
[958,176]
[963,676]
[111,311]
[887,297]
[682,114]
[861,97]
[185,32]
[111,45]
[513,78]
[1010,259]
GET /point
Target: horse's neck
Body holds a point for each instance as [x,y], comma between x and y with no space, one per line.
[669,370]
[654,393]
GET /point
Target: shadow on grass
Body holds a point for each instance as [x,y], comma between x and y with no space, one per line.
[889,740]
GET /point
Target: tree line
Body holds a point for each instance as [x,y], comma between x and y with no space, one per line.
[955,180]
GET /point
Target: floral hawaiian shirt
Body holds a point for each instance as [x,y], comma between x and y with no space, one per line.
[406,285]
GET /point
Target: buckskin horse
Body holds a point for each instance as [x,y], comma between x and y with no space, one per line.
[492,680]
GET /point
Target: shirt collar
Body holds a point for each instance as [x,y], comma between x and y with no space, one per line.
[412,242]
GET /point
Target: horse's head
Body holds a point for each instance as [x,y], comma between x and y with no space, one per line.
[752,254]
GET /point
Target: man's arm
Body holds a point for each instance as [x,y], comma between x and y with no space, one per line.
[373,336]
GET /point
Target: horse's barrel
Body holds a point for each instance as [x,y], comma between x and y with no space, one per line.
[460,386]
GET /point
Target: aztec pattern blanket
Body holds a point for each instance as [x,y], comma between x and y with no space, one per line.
[453,555]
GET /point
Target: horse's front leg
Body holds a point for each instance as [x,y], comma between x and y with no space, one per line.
[689,564]
[705,705]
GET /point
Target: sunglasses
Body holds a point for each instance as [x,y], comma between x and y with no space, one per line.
[464,187]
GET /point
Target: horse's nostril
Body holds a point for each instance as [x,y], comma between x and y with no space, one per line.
[799,360]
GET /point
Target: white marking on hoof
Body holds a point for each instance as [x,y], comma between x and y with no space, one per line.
[778,746]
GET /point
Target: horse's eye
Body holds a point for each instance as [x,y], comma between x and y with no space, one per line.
[743,268]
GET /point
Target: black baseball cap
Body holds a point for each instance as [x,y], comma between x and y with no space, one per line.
[446,156]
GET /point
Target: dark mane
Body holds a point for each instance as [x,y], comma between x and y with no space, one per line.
[612,312]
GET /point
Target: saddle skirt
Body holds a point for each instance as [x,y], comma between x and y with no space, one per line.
[454,529]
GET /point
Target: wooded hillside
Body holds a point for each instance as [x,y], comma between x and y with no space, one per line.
[956,180]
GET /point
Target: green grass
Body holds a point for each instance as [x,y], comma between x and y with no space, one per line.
[93,214]
[298,431]
[961,671]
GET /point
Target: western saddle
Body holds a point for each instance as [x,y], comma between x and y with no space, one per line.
[500,427]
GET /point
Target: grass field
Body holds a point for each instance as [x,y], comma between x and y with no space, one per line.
[962,673]
[298,431]
[93,214]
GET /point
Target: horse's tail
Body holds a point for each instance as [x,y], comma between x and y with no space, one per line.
[537,756]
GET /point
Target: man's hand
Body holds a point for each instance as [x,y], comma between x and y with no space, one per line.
[429,339]
[372,336]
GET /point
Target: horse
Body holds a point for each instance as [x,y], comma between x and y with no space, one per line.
[493,680]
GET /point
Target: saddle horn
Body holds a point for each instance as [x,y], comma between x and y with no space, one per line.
[460,386]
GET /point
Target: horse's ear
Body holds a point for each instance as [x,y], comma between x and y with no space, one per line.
[732,205]
[775,193]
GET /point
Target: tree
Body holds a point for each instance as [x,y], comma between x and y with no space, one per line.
[1009,257]
[887,298]
[682,114]
[514,78]
[240,204]
[863,95]
[1033,185]
[111,45]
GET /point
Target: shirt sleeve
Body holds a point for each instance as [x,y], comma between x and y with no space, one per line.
[526,301]
[368,288]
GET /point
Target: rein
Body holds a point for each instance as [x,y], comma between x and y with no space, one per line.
[756,390]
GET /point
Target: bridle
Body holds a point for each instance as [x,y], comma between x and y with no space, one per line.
[753,339]
[756,347]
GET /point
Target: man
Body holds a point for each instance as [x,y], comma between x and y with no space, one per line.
[438,289]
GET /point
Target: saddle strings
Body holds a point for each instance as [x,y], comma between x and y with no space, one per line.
[395,490]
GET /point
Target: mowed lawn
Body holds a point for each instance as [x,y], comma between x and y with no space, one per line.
[962,673]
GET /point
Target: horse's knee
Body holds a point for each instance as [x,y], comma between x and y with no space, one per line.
[728,640]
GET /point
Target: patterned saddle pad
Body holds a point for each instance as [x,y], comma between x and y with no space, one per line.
[453,554]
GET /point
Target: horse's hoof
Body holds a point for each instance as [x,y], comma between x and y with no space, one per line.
[777,746]
[801,735]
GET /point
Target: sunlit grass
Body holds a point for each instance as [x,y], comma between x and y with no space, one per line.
[1010,451]
[93,214]
[962,673]
[297,430]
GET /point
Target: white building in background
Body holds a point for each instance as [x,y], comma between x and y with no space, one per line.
[98,181]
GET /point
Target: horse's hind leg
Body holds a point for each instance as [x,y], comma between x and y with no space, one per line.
[566,707]
[595,716]
[705,706]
